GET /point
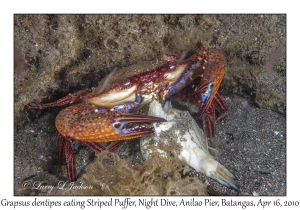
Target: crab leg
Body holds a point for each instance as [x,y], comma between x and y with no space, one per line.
[98,147]
[65,153]
[220,105]
[61,148]
[71,98]
[114,145]
[209,122]
[206,98]
[70,160]
[94,146]
[213,76]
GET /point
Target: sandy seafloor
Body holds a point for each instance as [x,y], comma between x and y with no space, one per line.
[252,141]
[252,145]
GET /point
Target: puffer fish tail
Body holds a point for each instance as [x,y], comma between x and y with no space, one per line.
[226,178]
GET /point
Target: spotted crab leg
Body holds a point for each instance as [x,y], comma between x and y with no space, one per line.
[71,98]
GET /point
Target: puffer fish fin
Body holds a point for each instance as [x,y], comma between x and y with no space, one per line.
[226,178]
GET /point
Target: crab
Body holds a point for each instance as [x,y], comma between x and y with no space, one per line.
[107,114]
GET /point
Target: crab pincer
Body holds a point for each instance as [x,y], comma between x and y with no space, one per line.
[85,122]
[90,125]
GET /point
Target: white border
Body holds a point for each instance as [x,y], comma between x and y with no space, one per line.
[154,6]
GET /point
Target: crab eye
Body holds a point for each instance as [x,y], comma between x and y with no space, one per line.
[117,125]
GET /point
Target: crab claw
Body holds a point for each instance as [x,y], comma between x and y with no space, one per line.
[131,124]
[84,122]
